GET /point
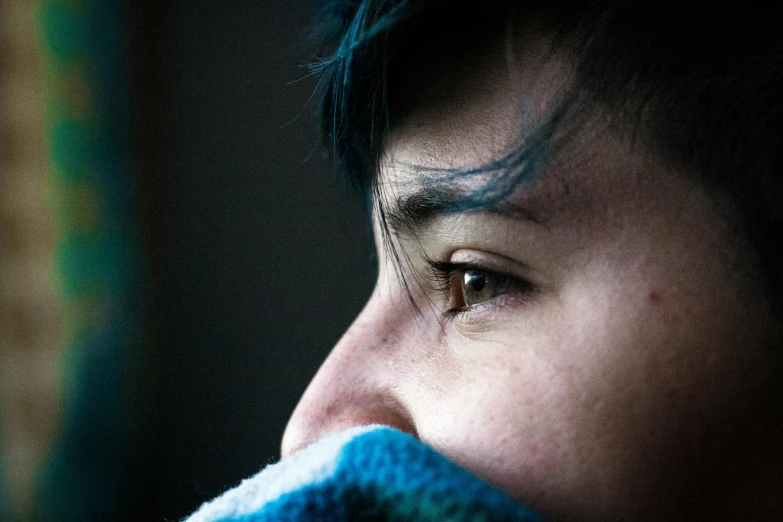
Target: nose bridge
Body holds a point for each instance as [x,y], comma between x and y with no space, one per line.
[356,384]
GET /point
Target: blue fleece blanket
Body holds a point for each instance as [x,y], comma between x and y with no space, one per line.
[365,473]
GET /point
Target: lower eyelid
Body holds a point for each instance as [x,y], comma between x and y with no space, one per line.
[486,317]
[493,308]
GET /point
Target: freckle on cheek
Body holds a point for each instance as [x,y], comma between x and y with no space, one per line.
[654,297]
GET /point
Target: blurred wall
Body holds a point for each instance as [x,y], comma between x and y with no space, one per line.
[72,283]
[30,311]
[260,259]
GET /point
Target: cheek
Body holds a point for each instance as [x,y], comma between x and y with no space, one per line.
[578,405]
[653,385]
[505,419]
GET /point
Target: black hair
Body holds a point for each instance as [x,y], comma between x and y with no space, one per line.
[700,82]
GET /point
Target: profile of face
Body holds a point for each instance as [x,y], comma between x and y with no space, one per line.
[598,353]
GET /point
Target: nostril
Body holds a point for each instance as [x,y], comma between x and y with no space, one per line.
[395,415]
[308,425]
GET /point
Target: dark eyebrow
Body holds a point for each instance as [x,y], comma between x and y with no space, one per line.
[413,212]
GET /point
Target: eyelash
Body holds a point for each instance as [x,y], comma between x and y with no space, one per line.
[446,276]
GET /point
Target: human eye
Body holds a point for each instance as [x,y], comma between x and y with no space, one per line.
[468,286]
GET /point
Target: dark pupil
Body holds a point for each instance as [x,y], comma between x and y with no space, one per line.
[476,280]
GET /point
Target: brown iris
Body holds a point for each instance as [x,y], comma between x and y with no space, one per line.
[478,286]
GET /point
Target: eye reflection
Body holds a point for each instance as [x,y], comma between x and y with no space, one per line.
[478,286]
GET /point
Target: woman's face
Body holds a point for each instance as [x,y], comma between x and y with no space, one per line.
[596,354]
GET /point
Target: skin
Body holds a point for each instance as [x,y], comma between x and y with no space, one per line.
[628,369]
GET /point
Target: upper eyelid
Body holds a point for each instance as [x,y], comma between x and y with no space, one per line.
[443,267]
[443,273]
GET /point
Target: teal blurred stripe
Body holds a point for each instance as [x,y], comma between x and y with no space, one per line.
[99,269]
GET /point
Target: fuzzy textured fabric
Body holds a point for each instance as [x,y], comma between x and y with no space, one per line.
[364,473]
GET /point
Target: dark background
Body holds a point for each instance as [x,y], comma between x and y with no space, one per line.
[259,260]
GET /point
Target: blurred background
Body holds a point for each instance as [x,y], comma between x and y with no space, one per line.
[177,255]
